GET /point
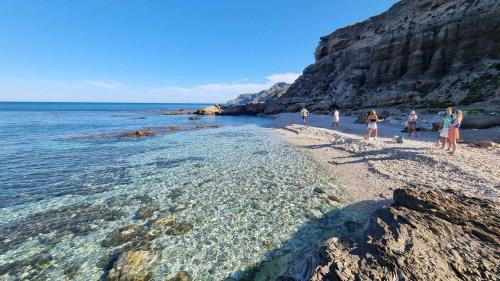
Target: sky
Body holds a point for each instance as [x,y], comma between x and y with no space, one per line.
[162,51]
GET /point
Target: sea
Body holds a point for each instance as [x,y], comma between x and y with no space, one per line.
[206,197]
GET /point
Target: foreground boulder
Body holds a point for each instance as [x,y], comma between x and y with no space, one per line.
[133,266]
[424,235]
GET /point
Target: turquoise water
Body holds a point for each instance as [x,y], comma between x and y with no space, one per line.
[68,178]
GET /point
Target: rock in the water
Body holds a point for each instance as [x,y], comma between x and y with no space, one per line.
[178,112]
[147,211]
[194,118]
[139,133]
[335,198]
[165,220]
[179,228]
[210,110]
[180,276]
[425,235]
[122,235]
[318,190]
[133,266]
[175,193]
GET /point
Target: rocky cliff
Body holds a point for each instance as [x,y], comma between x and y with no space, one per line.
[427,53]
[425,235]
[266,96]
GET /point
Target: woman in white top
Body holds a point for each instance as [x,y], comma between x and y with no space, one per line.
[336,118]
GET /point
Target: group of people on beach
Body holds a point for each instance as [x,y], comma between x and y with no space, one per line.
[449,130]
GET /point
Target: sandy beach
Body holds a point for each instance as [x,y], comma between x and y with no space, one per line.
[370,171]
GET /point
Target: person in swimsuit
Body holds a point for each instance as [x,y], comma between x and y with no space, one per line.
[336,118]
[412,123]
[454,132]
[304,113]
[372,125]
[448,118]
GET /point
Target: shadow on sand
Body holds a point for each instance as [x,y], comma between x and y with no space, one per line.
[298,257]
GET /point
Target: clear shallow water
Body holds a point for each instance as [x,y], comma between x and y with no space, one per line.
[68,179]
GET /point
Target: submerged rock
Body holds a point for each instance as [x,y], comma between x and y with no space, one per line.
[71,272]
[179,228]
[180,276]
[146,212]
[133,266]
[165,220]
[335,198]
[122,235]
[179,207]
[318,190]
[424,235]
[175,193]
[139,133]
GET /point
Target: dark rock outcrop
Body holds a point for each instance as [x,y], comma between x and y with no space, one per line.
[210,110]
[266,96]
[430,53]
[425,235]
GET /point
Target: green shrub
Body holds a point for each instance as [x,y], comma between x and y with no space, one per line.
[439,104]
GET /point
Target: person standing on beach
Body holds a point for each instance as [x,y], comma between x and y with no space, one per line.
[454,132]
[336,118]
[372,120]
[448,118]
[412,123]
[304,113]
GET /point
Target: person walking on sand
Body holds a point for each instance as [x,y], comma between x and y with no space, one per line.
[454,132]
[412,123]
[448,118]
[304,113]
[336,118]
[372,120]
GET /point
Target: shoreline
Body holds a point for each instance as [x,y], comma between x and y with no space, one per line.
[372,171]
[372,175]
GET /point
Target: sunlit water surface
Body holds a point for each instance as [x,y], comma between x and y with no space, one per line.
[237,193]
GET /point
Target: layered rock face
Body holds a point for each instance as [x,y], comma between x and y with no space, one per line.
[266,96]
[424,235]
[428,53]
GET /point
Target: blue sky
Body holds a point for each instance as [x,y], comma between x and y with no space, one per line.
[162,51]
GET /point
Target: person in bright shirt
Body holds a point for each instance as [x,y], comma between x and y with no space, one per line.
[448,119]
[454,132]
[412,123]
